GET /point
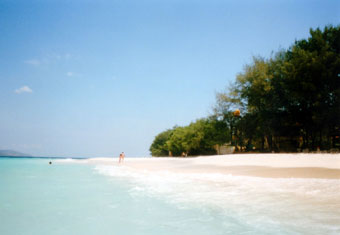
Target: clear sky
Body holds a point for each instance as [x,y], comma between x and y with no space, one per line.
[95,78]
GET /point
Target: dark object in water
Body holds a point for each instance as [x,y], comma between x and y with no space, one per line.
[50,163]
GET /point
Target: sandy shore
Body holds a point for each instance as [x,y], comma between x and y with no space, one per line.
[260,165]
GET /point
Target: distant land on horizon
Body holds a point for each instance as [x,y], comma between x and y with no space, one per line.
[12,153]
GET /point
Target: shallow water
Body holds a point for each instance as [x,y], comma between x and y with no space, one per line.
[71,198]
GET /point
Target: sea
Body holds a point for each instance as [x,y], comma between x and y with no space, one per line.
[71,196]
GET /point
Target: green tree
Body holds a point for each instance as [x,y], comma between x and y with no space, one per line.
[198,138]
[159,147]
[286,102]
[294,94]
[312,85]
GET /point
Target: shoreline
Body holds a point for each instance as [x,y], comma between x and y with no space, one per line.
[321,166]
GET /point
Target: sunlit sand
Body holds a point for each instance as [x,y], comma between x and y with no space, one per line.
[260,165]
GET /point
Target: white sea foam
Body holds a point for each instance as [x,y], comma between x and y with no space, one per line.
[72,160]
[297,203]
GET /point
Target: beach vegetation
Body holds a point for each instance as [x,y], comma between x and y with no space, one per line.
[159,145]
[289,102]
[198,138]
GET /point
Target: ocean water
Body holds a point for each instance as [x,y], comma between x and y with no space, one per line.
[72,197]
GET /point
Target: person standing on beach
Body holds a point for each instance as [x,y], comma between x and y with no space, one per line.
[121,157]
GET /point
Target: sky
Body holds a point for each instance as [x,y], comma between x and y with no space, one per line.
[95,78]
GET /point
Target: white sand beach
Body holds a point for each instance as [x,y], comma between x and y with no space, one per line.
[325,166]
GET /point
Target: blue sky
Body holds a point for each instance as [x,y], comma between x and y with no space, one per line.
[95,78]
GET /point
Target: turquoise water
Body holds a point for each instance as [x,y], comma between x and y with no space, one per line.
[72,197]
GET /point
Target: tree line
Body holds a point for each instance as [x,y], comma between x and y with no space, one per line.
[198,138]
[289,102]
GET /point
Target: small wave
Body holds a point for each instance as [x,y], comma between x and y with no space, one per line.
[71,160]
[287,200]
[321,188]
